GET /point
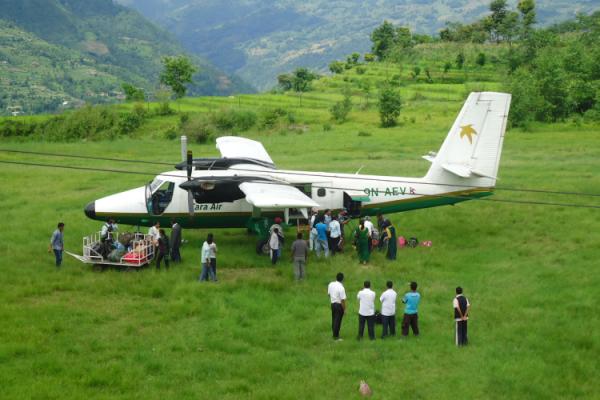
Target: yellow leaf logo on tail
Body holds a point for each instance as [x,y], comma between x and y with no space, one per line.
[468,131]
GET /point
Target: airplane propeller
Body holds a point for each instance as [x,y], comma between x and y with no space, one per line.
[189,167]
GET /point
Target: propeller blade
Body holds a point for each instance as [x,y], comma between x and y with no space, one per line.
[189,165]
[190,202]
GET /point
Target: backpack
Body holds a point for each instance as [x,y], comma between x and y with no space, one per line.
[401,241]
[413,242]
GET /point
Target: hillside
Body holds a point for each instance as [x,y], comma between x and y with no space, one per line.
[259,39]
[74,51]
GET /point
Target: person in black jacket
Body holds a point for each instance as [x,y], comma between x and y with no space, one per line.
[163,249]
[175,241]
[461,316]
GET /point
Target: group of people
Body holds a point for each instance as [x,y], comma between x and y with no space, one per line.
[166,249]
[366,235]
[410,321]
[327,232]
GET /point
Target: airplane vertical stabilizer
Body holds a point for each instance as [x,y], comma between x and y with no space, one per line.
[471,152]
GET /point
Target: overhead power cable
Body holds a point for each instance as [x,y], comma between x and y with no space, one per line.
[312,174]
[456,197]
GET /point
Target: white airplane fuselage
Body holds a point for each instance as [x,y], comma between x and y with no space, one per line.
[464,168]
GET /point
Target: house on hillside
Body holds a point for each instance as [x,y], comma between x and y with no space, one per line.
[15,111]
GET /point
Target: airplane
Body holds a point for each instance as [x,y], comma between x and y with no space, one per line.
[244,189]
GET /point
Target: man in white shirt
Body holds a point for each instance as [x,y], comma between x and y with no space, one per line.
[369,226]
[205,252]
[388,310]
[335,234]
[366,311]
[274,243]
[337,295]
[154,232]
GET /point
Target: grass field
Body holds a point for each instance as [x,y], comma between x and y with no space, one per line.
[530,271]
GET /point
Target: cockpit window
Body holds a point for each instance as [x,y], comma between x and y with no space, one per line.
[155,184]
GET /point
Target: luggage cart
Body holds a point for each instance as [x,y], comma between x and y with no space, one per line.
[142,251]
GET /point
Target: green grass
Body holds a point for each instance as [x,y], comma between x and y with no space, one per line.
[529,271]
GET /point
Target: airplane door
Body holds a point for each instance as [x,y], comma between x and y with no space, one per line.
[327,197]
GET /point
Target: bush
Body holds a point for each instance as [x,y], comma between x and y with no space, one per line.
[326,127]
[164,109]
[360,70]
[224,120]
[341,109]
[364,134]
[480,60]
[198,128]
[336,67]
[12,128]
[390,104]
[234,120]
[270,117]
[89,122]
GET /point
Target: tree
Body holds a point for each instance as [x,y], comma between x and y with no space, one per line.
[383,39]
[390,104]
[447,66]
[301,79]
[509,27]
[336,67]
[460,60]
[133,93]
[527,10]
[341,109]
[480,60]
[177,72]
[498,9]
[365,85]
[403,38]
[369,57]
[285,81]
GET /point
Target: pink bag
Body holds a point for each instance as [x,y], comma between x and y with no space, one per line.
[364,389]
[401,241]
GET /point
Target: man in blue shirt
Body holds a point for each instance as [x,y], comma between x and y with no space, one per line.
[57,243]
[411,316]
[321,228]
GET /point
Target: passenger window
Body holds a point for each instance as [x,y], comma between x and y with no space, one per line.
[321,192]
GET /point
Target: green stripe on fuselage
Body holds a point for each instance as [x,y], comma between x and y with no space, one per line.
[423,202]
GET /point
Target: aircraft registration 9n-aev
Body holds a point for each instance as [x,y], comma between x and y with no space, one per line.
[244,189]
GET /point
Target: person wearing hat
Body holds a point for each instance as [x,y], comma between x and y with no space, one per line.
[277,225]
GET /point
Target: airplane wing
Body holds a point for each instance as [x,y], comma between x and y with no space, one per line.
[275,195]
[238,147]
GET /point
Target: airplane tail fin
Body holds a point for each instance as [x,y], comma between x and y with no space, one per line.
[471,152]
